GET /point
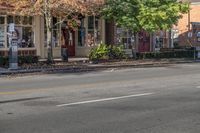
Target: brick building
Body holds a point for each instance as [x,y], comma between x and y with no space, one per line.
[188,27]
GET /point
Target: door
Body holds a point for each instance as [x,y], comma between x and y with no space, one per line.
[69,38]
[144,42]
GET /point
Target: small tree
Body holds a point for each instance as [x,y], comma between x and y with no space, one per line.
[66,10]
[148,15]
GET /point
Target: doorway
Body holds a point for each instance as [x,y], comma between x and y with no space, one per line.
[69,40]
[144,42]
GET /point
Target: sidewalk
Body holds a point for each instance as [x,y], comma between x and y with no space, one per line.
[83,65]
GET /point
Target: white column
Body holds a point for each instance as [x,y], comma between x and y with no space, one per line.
[103,31]
[37,35]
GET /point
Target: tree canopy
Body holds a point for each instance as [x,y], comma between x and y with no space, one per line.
[148,15]
[58,8]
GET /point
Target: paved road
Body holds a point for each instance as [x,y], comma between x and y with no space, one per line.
[142,100]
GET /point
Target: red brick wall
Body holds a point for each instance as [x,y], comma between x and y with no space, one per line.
[183,26]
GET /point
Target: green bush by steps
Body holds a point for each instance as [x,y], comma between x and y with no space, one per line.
[4,61]
[105,52]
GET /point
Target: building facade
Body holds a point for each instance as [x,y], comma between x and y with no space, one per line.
[30,34]
[188,27]
[185,34]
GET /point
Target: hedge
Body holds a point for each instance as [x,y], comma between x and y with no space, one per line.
[4,61]
[168,54]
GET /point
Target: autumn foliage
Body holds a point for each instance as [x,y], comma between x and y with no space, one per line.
[59,8]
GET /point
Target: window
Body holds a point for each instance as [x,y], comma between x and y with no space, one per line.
[24,33]
[81,34]
[2,20]
[124,37]
[10,19]
[90,35]
[158,42]
[2,37]
[55,33]
[2,32]
[94,30]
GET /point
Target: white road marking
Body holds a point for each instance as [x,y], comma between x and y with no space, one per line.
[106,99]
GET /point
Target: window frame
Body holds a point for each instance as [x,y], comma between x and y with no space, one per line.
[30,24]
[58,29]
[5,31]
[95,30]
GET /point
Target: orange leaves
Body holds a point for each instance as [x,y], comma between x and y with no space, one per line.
[56,7]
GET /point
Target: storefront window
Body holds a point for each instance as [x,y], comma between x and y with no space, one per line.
[90,35]
[18,19]
[10,19]
[30,20]
[2,36]
[98,26]
[94,30]
[159,40]
[25,20]
[2,20]
[2,32]
[124,37]
[27,38]
[175,35]
[81,34]
[24,33]
[55,33]
[91,22]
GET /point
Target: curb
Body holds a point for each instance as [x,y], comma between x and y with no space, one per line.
[74,69]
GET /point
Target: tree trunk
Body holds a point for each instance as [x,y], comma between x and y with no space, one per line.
[49,46]
[48,18]
[49,39]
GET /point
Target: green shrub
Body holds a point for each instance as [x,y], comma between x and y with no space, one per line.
[103,51]
[28,59]
[116,52]
[168,54]
[4,61]
[99,52]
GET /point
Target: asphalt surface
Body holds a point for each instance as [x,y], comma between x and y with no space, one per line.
[138,100]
